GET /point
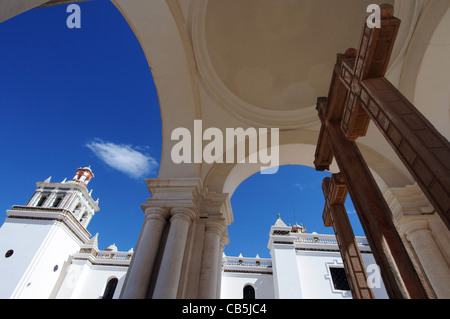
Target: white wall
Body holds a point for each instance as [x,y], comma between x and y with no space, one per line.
[39,246]
[316,283]
[314,274]
[233,285]
[285,272]
[15,235]
[87,281]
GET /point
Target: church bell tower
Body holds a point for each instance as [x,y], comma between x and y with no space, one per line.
[37,239]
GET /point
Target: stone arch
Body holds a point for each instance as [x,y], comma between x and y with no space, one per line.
[178,59]
[298,149]
[110,288]
[171,60]
[249,292]
[424,80]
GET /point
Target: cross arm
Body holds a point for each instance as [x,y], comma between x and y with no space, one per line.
[324,155]
[423,150]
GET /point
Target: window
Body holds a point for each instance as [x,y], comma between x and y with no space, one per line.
[110,288]
[57,201]
[249,292]
[339,278]
[42,200]
[83,218]
[9,253]
[77,210]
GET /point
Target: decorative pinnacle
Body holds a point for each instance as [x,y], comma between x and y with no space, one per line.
[387,11]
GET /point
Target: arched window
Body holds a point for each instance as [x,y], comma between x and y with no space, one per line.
[42,200]
[110,288]
[57,200]
[84,218]
[249,292]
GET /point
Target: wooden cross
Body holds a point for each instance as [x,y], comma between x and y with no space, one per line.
[359,93]
[335,214]
[401,276]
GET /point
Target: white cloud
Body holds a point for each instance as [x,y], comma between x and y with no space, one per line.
[123,158]
[301,187]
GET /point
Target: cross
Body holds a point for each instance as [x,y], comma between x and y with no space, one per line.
[342,116]
[401,276]
[360,92]
[335,214]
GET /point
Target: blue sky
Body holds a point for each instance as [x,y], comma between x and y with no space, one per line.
[77,97]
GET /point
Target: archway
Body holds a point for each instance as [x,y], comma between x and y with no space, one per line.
[294,192]
[296,154]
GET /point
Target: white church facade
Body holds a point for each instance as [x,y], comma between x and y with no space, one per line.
[47,252]
[303,266]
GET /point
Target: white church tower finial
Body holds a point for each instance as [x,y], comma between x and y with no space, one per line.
[83,175]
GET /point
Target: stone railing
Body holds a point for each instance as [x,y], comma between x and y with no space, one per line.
[317,241]
[104,257]
[245,264]
[118,255]
[248,262]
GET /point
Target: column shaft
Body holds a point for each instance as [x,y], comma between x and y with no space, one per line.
[434,264]
[210,262]
[169,274]
[141,267]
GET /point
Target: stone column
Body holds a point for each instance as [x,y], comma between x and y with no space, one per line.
[169,274]
[427,234]
[434,264]
[210,261]
[141,267]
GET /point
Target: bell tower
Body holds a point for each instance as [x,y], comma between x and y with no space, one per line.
[37,239]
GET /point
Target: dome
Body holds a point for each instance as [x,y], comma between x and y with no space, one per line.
[112,247]
[268,60]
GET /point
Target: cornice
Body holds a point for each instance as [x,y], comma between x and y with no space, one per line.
[47,213]
[188,193]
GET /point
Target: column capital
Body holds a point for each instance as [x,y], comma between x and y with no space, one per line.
[407,201]
[216,227]
[216,206]
[413,226]
[184,213]
[157,213]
